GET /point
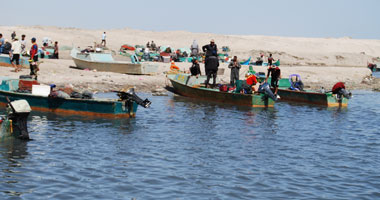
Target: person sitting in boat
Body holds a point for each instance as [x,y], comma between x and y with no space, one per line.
[148,45]
[339,89]
[174,67]
[248,86]
[57,93]
[195,70]
[275,73]
[260,60]
[295,82]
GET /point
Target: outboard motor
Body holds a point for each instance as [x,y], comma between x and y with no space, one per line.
[264,88]
[131,96]
[19,113]
[343,92]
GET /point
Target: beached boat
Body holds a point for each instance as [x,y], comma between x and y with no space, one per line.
[190,86]
[6,61]
[14,123]
[39,100]
[104,62]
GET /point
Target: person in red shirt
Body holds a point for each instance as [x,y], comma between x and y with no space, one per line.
[247,85]
[340,90]
[33,58]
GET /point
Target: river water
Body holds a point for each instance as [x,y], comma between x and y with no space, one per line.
[185,149]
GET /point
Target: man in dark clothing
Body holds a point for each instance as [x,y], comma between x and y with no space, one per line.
[56,54]
[13,35]
[275,73]
[235,68]
[195,70]
[270,60]
[7,47]
[211,62]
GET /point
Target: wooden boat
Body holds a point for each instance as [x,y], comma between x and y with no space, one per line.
[190,86]
[124,107]
[308,96]
[312,97]
[14,123]
[6,61]
[105,62]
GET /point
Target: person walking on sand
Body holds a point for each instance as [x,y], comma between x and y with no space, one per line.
[13,35]
[33,58]
[55,55]
[235,68]
[23,44]
[16,51]
[211,62]
[103,39]
[275,73]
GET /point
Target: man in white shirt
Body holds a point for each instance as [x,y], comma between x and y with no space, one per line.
[16,51]
[23,44]
[103,39]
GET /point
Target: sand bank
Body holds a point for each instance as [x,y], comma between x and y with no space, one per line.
[321,62]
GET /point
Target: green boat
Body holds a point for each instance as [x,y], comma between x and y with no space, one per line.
[190,86]
[124,107]
[307,96]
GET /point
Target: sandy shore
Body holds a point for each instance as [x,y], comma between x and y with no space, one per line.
[62,72]
[321,62]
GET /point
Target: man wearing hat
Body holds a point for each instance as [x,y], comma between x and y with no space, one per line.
[16,51]
[211,61]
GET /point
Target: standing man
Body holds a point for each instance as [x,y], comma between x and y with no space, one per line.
[211,62]
[16,51]
[1,43]
[275,73]
[33,58]
[13,35]
[235,68]
[194,49]
[270,60]
[55,55]
[104,39]
[23,44]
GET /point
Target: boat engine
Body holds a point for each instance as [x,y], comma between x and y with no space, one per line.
[18,113]
[264,88]
[343,93]
[131,96]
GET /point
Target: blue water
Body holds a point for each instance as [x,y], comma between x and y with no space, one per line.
[184,149]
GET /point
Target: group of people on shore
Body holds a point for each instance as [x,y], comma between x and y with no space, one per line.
[17,48]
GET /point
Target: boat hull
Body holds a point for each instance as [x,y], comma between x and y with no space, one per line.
[104,62]
[252,100]
[71,106]
[323,99]
[6,61]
